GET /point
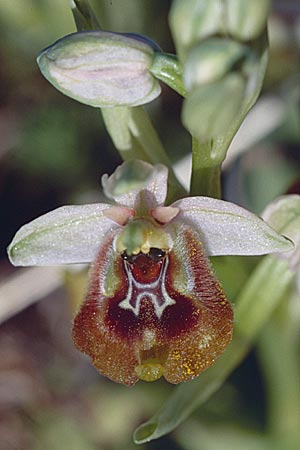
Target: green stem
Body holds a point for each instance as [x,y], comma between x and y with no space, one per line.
[206,174]
[83,16]
[265,289]
[168,69]
[279,355]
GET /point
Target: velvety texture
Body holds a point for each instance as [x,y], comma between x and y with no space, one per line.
[180,343]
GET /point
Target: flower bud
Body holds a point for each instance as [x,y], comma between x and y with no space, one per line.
[210,109]
[211,60]
[283,214]
[101,68]
[246,19]
[194,20]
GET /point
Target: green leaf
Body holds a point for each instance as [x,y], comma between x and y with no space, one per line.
[83,15]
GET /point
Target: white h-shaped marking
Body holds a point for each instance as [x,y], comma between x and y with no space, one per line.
[137,291]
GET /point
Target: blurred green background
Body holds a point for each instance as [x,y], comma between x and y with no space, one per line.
[53,151]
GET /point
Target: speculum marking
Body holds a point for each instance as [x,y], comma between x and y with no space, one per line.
[153,289]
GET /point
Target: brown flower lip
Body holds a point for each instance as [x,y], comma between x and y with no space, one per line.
[149,327]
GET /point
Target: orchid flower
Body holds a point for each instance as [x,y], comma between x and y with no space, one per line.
[154,306]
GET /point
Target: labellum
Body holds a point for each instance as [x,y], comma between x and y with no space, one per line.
[154,311]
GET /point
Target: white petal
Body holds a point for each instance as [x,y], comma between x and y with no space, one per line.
[70,234]
[137,184]
[228,229]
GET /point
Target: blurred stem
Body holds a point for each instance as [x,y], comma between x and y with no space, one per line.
[265,289]
[168,69]
[279,355]
[206,174]
[130,129]
[83,15]
[134,136]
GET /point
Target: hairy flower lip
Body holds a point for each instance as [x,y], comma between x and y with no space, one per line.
[148,324]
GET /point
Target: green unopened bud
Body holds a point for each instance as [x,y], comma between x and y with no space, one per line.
[211,60]
[210,109]
[246,19]
[194,20]
[101,68]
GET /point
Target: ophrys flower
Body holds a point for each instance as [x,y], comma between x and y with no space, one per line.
[153,306]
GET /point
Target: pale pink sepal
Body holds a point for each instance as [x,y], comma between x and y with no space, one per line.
[228,229]
[67,235]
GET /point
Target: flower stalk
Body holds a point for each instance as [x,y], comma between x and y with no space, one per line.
[206,173]
[131,129]
[279,353]
[136,138]
[84,16]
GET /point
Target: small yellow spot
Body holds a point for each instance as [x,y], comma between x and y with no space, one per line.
[150,370]
[176,355]
[187,369]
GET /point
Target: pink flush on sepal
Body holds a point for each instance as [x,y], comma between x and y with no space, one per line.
[153,307]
